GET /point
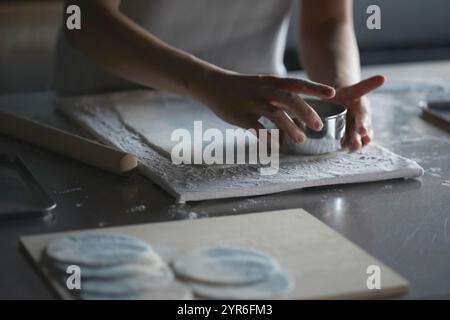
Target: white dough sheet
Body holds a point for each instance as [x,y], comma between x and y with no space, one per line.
[120,119]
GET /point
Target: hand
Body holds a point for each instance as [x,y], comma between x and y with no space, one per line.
[359,121]
[242,99]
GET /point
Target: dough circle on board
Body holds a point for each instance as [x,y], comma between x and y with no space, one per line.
[129,285]
[172,291]
[225,264]
[276,285]
[98,249]
[115,271]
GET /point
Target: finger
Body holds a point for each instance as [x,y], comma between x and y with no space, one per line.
[365,86]
[355,141]
[285,123]
[366,140]
[305,86]
[297,106]
[362,131]
[361,123]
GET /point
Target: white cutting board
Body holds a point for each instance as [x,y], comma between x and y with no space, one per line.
[324,264]
[98,115]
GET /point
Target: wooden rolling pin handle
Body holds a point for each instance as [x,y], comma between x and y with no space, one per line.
[67,144]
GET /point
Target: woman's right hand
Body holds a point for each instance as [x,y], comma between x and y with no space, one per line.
[242,99]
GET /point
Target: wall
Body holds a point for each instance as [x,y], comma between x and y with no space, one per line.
[411,30]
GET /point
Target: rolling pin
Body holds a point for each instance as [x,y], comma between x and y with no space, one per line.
[67,144]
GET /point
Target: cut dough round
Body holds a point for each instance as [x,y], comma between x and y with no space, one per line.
[114,271]
[225,265]
[230,250]
[127,286]
[98,249]
[276,285]
[172,291]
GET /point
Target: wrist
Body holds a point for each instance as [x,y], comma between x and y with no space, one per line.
[206,81]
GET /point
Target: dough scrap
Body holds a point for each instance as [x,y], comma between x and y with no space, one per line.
[276,285]
[98,249]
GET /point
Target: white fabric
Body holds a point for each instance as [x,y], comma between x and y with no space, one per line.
[246,36]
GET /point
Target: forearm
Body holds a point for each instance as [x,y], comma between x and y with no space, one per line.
[330,55]
[128,50]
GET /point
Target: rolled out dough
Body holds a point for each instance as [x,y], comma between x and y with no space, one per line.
[156,122]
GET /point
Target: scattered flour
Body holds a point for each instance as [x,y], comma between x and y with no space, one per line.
[435,172]
[70,190]
[192,215]
[136,209]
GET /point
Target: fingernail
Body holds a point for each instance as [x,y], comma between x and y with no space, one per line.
[330,92]
[318,125]
[363,131]
[299,138]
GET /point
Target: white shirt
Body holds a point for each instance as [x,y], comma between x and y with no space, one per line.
[241,35]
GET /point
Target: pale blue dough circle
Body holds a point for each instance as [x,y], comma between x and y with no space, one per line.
[230,250]
[97,249]
[276,285]
[127,286]
[225,264]
[111,272]
[172,291]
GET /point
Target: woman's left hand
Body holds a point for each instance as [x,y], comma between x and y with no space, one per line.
[359,123]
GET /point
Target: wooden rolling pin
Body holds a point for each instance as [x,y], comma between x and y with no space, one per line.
[67,144]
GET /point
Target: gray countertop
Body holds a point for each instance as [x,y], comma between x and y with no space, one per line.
[405,224]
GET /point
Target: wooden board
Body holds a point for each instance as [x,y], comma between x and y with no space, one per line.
[324,264]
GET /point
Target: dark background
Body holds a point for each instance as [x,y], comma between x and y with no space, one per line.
[412,30]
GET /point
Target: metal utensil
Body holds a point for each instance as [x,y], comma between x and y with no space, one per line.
[317,142]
